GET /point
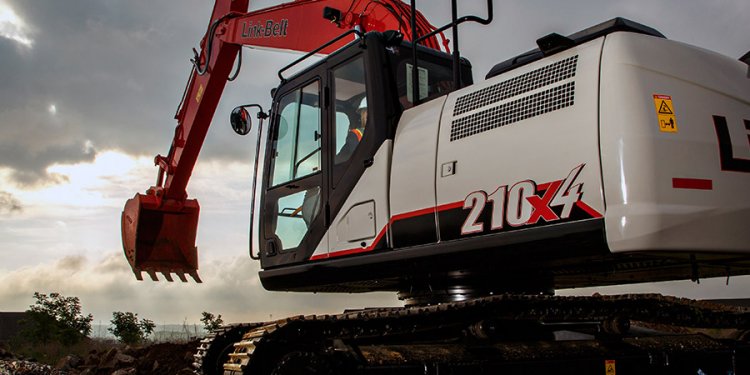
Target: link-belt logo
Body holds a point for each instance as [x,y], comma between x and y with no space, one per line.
[267,29]
[526,203]
[731,159]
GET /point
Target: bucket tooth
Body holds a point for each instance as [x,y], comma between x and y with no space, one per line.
[194,275]
[152,274]
[182,277]
[167,275]
[138,275]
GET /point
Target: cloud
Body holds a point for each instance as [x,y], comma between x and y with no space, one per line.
[9,203]
[110,71]
[13,27]
[231,287]
[115,71]
[111,75]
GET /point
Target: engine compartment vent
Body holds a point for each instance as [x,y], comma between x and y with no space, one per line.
[469,118]
[532,80]
[533,105]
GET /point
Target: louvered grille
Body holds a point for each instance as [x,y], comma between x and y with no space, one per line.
[529,106]
[533,80]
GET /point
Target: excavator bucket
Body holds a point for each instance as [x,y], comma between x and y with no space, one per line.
[160,239]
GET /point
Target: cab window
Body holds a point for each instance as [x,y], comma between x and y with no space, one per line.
[435,75]
[296,141]
[296,154]
[350,120]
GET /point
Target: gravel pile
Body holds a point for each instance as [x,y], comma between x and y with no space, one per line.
[165,358]
[12,365]
[19,367]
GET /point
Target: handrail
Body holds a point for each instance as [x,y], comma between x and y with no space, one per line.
[456,55]
[261,116]
[483,21]
[313,52]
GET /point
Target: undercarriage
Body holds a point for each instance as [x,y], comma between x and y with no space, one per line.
[629,334]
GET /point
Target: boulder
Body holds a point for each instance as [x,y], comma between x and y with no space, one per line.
[69,362]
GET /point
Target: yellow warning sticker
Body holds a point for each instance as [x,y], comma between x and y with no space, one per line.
[199,95]
[665,113]
[609,367]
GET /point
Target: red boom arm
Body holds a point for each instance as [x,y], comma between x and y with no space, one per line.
[159,228]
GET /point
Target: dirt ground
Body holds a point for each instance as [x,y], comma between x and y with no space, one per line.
[161,358]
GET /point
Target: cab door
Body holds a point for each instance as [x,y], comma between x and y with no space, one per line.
[327,161]
[293,217]
[360,113]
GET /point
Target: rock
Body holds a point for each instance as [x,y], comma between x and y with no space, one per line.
[125,371]
[69,362]
[19,367]
[123,360]
[108,361]
[92,360]
[4,354]
[155,366]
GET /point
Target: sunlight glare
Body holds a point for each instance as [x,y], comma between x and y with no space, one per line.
[105,182]
[13,27]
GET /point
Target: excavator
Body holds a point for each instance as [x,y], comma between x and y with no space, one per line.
[606,157]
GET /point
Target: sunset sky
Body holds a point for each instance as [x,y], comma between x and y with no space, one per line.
[88,91]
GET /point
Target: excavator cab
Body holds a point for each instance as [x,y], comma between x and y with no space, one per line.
[327,124]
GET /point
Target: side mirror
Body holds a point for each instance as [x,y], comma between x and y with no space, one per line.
[240,120]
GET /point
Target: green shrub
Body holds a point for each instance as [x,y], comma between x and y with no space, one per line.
[56,318]
[211,322]
[128,329]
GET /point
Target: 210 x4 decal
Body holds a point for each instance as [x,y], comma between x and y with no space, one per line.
[524,204]
[521,205]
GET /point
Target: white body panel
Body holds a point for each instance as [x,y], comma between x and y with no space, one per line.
[414,152]
[541,147]
[640,162]
[363,218]
[357,224]
[580,125]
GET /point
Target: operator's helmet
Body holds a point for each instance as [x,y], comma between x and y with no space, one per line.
[362,105]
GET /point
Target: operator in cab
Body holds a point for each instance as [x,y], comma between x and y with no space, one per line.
[354,137]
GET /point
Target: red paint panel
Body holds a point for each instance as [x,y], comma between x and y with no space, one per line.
[692,183]
[590,210]
[450,206]
[416,213]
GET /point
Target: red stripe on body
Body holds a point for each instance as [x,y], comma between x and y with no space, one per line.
[416,213]
[339,253]
[589,210]
[449,206]
[424,211]
[692,183]
[395,218]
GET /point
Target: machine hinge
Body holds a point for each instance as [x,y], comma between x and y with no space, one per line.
[271,248]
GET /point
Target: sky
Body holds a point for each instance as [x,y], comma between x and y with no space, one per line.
[88,91]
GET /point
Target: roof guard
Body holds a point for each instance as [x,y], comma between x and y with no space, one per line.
[554,43]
